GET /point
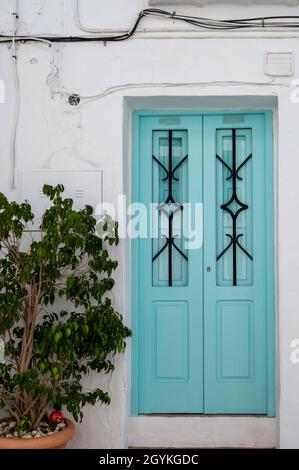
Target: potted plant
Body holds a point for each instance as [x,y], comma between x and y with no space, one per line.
[48,350]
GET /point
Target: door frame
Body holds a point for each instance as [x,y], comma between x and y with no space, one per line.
[270,250]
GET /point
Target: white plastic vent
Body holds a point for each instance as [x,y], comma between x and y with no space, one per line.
[79,193]
[279,64]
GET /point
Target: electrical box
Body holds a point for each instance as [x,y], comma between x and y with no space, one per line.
[83,186]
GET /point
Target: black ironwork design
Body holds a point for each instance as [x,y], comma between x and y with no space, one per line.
[234,176]
[169,203]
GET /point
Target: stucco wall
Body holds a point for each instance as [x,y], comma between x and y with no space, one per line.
[52,134]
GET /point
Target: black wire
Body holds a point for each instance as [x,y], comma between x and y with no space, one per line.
[214,27]
[52,39]
[205,23]
[225,23]
[266,18]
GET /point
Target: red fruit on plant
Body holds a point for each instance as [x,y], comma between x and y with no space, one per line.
[56,417]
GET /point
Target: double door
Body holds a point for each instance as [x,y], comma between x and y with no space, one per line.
[203,276]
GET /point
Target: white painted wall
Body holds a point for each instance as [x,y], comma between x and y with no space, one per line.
[52,134]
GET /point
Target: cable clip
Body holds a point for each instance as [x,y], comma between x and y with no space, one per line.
[173,14]
[263,22]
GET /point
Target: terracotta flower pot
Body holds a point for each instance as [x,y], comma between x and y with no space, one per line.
[54,441]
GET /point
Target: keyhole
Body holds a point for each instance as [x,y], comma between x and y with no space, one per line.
[209,269]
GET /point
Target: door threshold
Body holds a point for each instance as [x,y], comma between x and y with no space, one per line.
[202,431]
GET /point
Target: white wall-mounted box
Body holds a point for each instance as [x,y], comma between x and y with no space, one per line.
[83,186]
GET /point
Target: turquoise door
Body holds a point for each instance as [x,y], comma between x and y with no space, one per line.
[203,307]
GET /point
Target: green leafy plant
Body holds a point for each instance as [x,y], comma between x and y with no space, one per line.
[49,350]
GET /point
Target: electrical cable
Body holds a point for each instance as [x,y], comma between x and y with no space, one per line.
[17,99]
[86,99]
[79,23]
[280,22]
[24,39]
[274,22]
